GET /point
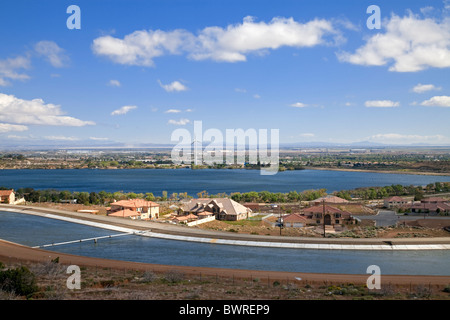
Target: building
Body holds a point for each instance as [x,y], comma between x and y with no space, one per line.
[434,200]
[394,202]
[294,220]
[329,199]
[333,216]
[431,205]
[134,209]
[221,208]
[7,196]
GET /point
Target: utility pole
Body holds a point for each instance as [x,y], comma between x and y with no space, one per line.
[323,217]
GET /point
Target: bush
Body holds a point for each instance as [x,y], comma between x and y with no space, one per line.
[20,281]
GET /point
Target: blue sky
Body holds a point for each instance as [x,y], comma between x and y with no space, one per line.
[138,70]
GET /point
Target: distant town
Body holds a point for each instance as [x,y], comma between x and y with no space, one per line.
[424,160]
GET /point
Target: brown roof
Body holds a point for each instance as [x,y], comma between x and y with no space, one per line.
[6,192]
[331,199]
[328,209]
[226,205]
[135,203]
[395,198]
[124,213]
[434,199]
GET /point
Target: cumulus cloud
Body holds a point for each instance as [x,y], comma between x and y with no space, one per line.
[381,103]
[52,52]
[123,110]
[421,88]
[114,83]
[173,111]
[173,87]
[180,122]
[9,69]
[230,44]
[20,111]
[6,127]
[437,101]
[298,105]
[408,44]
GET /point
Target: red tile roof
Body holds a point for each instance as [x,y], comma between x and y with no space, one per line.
[6,192]
[124,213]
[135,203]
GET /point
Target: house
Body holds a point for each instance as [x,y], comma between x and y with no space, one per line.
[294,220]
[221,208]
[329,199]
[434,200]
[184,218]
[333,216]
[134,209]
[394,201]
[431,205]
[7,196]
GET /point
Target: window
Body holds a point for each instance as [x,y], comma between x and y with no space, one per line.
[337,221]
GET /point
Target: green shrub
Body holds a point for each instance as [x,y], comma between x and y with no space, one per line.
[20,281]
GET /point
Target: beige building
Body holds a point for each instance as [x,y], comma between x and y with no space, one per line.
[7,196]
[221,208]
[134,209]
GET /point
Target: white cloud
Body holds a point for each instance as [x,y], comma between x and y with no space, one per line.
[114,83]
[409,44]
[35,111]
[9,67]
[174,86]
[240,90]
[6,127]
[61,138]
[395,138]
[98,139]
[180,122]
[307,135]
[298,105]
[421,88]
[381,103]
[437,101]
[229,44]
[256,96]
[123,110]
[52,52]
[173,111]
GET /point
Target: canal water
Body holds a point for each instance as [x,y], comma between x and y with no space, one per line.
[34,231]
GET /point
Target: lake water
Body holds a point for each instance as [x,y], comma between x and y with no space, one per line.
[33,230]
[194,181]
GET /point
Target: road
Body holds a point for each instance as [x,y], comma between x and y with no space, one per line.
[386,218]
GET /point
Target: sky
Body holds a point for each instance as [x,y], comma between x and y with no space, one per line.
[136,70]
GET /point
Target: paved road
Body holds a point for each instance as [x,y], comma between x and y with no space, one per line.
[386,218]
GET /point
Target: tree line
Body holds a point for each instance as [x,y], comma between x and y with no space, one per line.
[105,198]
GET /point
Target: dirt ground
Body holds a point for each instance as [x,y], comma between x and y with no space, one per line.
[103,279]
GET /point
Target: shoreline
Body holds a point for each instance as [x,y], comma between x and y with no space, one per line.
[420,173]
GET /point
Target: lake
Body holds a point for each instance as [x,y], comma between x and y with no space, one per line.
[194,181]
